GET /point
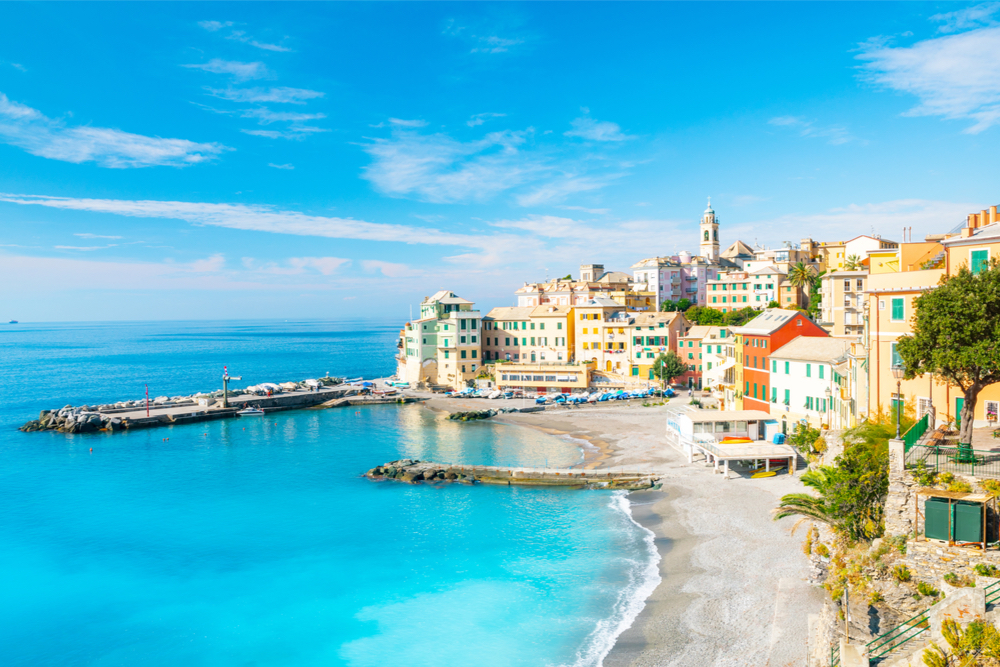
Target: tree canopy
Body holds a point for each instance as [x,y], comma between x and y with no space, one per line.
[669,365]
[680,305]
[956,327]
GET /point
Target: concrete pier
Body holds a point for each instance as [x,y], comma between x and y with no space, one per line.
[107,418]
[413,471]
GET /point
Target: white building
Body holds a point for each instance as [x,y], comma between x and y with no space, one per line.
[807,375]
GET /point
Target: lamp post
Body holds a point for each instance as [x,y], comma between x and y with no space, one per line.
[829,396]
[898,370]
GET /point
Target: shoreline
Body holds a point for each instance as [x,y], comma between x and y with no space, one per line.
[733,584]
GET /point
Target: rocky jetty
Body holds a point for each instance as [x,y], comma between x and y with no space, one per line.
[414,471]
[68,419]
[473,415]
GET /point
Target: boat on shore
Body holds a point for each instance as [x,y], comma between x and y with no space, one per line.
[251,412]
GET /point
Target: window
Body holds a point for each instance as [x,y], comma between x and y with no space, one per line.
[558,325]
[821,372]
[446,354]
[774,366]
[532,326]
[809,402]
[462,324]
[532,340]
[462,340]
[463,368]
[474,356]
[755,390]
[897,309]
[714,300]
[463,354]
[979,260]
[809,370]
[774,394]
[506,341]
[473,339]
[787,397]
[524,341]
[763,391]
[896,359]
[541,325]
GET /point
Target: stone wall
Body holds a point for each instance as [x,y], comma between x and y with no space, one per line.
[900,505]
[930,561]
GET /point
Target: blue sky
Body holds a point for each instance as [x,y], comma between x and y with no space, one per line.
[175,161]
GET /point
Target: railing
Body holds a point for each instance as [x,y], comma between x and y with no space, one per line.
[835,655]
[992,593]
[961,460]
[880,647]
[915,432]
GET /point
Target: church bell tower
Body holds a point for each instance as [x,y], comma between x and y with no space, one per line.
[709,234]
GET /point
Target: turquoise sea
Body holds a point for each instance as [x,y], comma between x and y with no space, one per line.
[256,542]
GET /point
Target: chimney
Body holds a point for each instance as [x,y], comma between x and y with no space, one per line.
[971,221]
[993,214]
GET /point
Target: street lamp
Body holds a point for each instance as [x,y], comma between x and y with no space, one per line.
[829,404]
[898,370]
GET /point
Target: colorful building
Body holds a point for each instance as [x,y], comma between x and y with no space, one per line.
[807,377]
[442,348]
[843,303]
[755,341]
[543,334]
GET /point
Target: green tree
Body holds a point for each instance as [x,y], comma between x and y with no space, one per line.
[956,327]
[737,318]
[703,315]
[680,305]
[668,366]
[800,275]
[774,304]
[853,263]
[851,493]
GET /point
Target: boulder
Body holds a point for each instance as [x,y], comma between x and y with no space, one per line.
[450,475]
[408,477]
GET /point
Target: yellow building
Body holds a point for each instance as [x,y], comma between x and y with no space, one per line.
[755,288]
[542,378]
[897,278]
[843,304]
[540,334]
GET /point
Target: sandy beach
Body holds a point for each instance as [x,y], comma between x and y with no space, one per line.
[734,587]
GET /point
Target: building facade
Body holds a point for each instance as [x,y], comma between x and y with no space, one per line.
[843,303]
[443,347]
[808,375]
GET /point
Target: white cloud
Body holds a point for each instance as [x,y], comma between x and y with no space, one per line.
[594,211]
[85,248]
[241,36]
[969,17]
[834,134]
[281,166]
[296,265]
[85,235]
[399,122]
[33,132]
[389,269]
[480,118]
[843,223]
[294,132]
[437,168]
[560,188]
[956,76]
[265,116]
[238,70]
[281,95]
[212,264]
[479,43]
[214,26]
[495,44]
[596,130]
[257,218]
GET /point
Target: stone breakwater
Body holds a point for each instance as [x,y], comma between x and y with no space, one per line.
[166,411]
[416,471]
[473,415]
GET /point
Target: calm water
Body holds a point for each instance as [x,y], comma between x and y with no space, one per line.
[255,541]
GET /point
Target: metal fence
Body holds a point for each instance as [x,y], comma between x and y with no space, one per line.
[957,460]
[883,645]
[915,432]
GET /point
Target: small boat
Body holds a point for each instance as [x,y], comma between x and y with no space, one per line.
[251,412]
[758,475]
[12,322]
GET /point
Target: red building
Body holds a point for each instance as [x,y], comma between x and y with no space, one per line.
[754,343]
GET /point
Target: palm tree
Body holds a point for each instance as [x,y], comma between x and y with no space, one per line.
[800,275]
[807,506]
[853,263]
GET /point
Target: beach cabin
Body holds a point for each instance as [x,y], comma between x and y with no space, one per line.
[722,436]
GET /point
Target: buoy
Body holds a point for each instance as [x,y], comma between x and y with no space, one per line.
[91,450]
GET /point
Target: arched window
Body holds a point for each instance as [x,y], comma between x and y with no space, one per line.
[706,234]
[716,233]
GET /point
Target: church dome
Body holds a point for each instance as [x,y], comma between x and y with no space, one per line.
[709,209]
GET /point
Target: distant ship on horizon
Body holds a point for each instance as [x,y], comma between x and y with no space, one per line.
[12,322]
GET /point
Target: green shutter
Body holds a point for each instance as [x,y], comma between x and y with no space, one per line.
[897,309]
[979,260]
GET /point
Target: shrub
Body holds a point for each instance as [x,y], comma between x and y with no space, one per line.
[923,476]
[946,478]
[874,598]
[901,573]
[991,486]
[822,550]
[987,570]
[954,580]
[820,445]
[960,486]
[927,590]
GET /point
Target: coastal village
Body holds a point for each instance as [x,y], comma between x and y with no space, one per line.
[785,359]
